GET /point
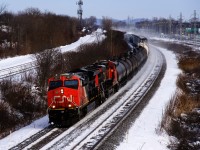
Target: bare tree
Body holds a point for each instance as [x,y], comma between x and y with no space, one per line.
[49,62]
[107,23]
[33,11]
[2,8]
[90,22]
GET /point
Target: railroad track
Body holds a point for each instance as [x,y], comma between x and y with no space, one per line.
[95,137]
[97,126]
[192,42]
[39,139]
[34,137]
[11,71]
[92,130]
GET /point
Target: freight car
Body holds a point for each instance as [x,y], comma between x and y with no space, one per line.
[73,94]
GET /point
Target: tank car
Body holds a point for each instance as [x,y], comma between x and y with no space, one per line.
[73,94]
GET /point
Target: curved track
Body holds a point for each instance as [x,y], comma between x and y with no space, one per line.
[99,124]
[94,128]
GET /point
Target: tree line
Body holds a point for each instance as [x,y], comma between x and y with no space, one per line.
[32,31]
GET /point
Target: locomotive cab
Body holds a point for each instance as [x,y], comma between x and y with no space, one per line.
[65,95]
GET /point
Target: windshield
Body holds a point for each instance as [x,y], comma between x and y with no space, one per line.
[71,84]
[55,84]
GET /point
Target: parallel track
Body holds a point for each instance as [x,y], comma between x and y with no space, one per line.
[103,130]
[39,139]
[11,71]
[78,137]
[90,133]
[45,139]
[31,139]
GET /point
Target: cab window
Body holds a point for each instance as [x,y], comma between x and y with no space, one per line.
[55,84]
[73,84]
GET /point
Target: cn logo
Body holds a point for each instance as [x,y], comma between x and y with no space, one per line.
[55,99]
[70,98]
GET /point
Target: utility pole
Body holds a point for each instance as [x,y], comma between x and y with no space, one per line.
[194,21]
[170,25]
[195,29]
[80,12]
[180,25]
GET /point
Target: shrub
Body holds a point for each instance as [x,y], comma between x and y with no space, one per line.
[189,64]
[96,51]
[189,84]
[168,114]
[180,118]
[8,120]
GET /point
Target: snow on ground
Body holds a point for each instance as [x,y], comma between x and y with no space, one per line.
[164,39]
[142,135]
[38,125]
[15,61]
[132,86]
[96,36]
[22,134]
[195,44]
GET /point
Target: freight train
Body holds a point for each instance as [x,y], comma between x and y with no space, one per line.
[73,94]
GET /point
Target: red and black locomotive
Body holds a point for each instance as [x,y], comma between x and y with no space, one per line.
[73,94]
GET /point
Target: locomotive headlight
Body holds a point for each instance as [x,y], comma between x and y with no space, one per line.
[53,106]
[69,105]
[62,91]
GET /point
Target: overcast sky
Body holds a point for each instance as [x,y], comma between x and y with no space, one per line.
[117,9]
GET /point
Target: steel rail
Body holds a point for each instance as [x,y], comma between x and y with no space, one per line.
[97,135]
[73,140]
[32,138]
[11,71]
